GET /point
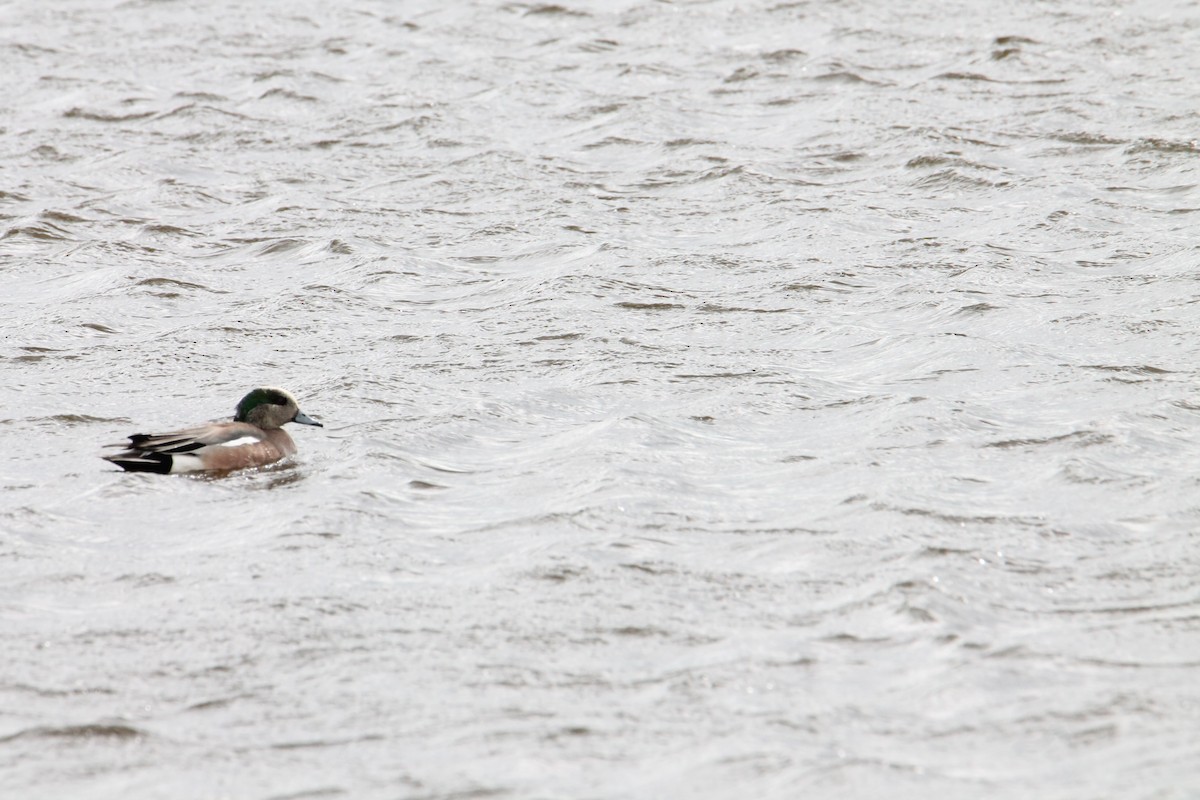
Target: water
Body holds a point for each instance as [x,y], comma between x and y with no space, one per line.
[722,399]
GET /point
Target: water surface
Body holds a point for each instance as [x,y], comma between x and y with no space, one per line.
[722,399]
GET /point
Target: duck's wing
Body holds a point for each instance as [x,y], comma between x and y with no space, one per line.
[219,446]
[217,434]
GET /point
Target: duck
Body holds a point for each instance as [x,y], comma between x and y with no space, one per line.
[254,438]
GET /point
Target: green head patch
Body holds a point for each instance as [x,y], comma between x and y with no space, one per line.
[258,397]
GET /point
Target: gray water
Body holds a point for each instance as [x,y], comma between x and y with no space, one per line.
[722,399]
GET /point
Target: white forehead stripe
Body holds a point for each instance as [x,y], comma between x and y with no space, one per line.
[241,440]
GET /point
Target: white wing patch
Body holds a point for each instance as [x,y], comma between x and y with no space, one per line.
[241,440]
[186,463]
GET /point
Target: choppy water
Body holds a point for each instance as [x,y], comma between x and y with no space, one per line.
[722,399]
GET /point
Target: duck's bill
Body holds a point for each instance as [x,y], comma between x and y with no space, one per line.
[305,419]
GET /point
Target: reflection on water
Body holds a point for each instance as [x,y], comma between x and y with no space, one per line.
[723,399]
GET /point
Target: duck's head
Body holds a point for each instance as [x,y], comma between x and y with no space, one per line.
[268,407]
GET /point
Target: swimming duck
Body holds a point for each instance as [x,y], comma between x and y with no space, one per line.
[254,438]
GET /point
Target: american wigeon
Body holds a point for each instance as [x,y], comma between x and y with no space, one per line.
[254,438]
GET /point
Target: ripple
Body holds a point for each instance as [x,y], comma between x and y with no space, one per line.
[46,232]
[95,731]
[1080,438]
[101,116]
